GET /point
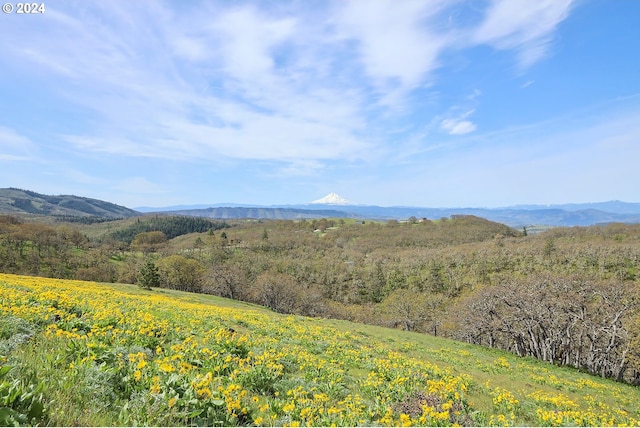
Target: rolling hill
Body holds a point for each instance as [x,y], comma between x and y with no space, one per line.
[18,201]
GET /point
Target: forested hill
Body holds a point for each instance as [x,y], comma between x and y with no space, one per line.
[17,201]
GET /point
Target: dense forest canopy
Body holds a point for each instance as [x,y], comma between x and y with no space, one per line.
[171,226]
[568,295]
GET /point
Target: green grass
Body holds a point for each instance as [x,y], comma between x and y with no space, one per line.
[113,354]
[492,368]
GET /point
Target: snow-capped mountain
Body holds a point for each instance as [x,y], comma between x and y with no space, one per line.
[333,199]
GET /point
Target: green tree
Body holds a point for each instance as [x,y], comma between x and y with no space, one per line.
[376,284]
[148,241]
[549,247]
[148,276]
[395,280]
[181,273]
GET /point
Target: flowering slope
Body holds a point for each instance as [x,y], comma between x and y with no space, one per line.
[108,355]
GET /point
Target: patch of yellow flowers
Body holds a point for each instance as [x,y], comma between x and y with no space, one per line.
[255,368]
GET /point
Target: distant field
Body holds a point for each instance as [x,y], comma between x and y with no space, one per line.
[82,353]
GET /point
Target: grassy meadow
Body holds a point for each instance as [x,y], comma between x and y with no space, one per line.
[84,353]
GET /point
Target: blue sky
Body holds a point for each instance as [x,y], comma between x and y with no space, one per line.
[422,103]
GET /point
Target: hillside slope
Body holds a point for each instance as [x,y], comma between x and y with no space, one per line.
[17,201]
[117,355]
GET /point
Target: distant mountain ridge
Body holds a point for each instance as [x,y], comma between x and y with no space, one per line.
[514,217]
[618,207]
[510,216]
[267,213]
[18,201]
[556,215]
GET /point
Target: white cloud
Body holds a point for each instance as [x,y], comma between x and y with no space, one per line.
[139,185]
[148,105]
[588,155]
[396,48]
[457,124]
[189,48]
[524,25]
[249,39]
[9,138]
[457,127]
[254,82]
[13,146]
[73,174]
[299,169]
[6,157]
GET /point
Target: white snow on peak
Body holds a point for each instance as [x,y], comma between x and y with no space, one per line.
[333,199]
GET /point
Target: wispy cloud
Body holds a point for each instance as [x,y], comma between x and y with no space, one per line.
[527,26]
[456,121]
[251,40]
[14,146]
[395,45]
[250,90]
[242,98]
[550,161]
[298,169]
[283,89]
[138,185]
[457,126]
